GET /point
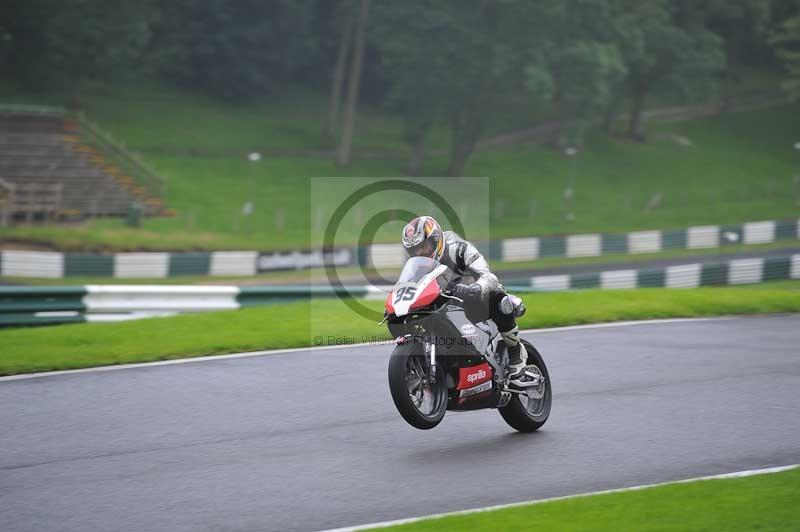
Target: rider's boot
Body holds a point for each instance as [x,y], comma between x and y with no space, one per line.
[517,357]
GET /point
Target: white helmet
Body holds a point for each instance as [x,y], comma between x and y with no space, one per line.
[422,237]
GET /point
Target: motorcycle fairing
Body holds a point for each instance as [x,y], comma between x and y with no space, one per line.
[406,296]
[473,382]
[479,334]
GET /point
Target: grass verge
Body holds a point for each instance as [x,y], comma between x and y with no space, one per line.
[762,502]
[297,324]
[724,169]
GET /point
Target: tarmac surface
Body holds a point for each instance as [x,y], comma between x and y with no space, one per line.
[311,439]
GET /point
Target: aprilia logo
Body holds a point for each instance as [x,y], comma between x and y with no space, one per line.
[476,376]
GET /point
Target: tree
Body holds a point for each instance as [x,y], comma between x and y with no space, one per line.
[419,62]
[668,46]
[343,50]
[583,64]
[742,26]
[786,41]
[46,44]
[89,41]
[343,153]
[21,38]
[480,67]
[450,62]
[234,48]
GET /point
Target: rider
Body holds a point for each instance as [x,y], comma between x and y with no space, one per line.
[473,282]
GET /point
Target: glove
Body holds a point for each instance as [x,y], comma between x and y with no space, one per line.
[467,291]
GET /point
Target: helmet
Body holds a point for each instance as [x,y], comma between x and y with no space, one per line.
[422,237]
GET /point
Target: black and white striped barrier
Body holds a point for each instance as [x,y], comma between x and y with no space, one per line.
[733,272]
[159,265]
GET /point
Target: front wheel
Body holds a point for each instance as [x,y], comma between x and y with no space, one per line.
[422,403]
[528,412]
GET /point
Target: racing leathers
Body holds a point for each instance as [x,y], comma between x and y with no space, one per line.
[484,296]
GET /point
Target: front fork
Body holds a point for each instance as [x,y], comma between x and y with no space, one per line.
[430,350]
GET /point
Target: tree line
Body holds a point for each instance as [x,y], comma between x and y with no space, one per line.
[430,61]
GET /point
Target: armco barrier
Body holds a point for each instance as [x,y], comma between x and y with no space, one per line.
[48,305]
[156,265]
[41,305]
[38,305]
[260,295]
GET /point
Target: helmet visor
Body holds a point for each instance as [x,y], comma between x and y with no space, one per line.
[423,249]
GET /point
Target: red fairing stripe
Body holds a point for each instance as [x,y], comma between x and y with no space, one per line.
[427,296]
[388,304]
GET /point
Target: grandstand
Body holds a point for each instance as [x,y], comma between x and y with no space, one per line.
[57,166]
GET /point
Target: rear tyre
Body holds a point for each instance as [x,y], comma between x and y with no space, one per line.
[421,402]
[527,413]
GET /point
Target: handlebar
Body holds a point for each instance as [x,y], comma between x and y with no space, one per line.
[449,295]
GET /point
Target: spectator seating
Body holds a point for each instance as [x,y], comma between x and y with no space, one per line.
[47,171]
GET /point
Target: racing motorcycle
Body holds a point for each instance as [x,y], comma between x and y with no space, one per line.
[443,361]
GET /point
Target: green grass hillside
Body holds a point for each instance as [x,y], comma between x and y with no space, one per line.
[724,169]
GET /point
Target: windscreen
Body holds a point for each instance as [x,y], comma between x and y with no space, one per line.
[416,268]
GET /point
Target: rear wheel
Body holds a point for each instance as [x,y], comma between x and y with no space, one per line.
[422,403]
[528,412]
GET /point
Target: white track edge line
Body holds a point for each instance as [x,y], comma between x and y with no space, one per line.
[249,354]
[737,474]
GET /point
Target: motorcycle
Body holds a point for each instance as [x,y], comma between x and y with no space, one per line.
[443,361]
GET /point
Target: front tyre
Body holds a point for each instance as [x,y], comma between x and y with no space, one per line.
[527,413]
[422,403]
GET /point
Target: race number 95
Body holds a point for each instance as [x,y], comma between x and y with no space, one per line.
[405,294]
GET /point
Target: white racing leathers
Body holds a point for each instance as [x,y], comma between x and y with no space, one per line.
[470,267]
[468,264]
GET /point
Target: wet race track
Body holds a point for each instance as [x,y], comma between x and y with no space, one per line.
[311,439]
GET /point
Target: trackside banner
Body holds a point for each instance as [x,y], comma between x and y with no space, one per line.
[298,260]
